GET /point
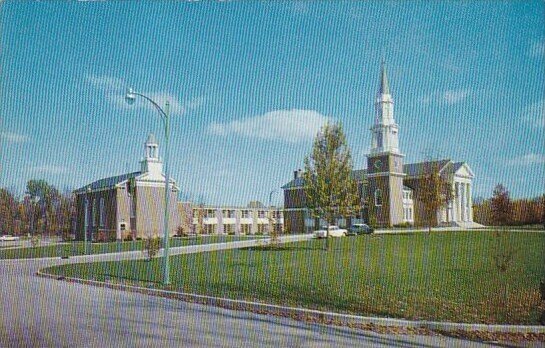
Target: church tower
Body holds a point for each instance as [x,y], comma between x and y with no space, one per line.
[151,163]
[385,162]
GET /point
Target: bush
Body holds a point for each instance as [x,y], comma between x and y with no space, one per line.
[34,240]
[403,225]
[151,246]
[180,232]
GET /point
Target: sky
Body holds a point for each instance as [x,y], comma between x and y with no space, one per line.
[250,84]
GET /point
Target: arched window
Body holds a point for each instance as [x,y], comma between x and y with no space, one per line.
[378,197]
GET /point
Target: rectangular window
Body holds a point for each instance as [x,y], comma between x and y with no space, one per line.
[261,214]
[246,228]
[94,214]
[102,213]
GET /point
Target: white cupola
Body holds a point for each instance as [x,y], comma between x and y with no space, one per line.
[151,163]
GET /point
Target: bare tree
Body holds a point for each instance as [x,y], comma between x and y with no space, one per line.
[501,205]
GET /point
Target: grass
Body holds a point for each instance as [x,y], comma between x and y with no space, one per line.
[78,248]
[448,276]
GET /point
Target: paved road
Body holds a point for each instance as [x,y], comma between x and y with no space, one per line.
[39,312]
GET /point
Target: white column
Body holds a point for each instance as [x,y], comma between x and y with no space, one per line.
[454,203]
[469,203]
[464,201]
[458,202]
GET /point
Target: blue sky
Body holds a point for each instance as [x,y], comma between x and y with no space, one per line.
[251,82]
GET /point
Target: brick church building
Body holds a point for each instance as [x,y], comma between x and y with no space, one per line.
[130,205]
[387,186]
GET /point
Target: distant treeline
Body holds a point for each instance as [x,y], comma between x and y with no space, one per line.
[41,210]
[501,210]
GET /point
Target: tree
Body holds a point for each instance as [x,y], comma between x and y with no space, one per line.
[434,192]
[8,211]
[151,246]
[501,205]
[330,190]
[46,195]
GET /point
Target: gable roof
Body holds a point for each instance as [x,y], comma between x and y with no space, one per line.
[107,182]
[358,175]
[420,168]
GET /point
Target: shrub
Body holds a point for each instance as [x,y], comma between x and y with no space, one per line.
[403,225]
[34,240]
[151,246]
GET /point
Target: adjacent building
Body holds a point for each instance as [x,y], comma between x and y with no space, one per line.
[130,205]
[387,186]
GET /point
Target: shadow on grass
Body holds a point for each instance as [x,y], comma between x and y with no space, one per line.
[283,248]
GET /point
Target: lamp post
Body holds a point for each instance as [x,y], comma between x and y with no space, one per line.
[86,229]
[271,220]
[130,98]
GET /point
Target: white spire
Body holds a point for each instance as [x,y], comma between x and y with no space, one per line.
[385,130]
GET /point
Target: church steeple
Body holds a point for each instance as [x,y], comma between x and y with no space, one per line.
[385,129]
[384,87]
[151,163]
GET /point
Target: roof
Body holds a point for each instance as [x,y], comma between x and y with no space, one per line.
[358,175]
[107,182]
[416,169]
[411,169]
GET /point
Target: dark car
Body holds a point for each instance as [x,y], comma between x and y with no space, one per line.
[358,229]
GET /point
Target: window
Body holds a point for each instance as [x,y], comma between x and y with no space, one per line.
[246,228]
[94,213]
[229,228]
[378,197]
[261,214]
[245,214]
[132,202]
[102,213]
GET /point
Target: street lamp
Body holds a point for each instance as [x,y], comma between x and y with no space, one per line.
[130,97]
[271,220]
[86,229]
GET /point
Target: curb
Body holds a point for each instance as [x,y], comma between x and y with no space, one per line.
[307,314]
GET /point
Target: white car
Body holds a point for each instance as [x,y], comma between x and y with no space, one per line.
[8,237]
[334,231]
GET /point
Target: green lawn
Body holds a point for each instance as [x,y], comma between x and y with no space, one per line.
[448,276]
[77,248]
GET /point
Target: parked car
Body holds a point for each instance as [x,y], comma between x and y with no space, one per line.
[8,238]
[334,231]
[358,229]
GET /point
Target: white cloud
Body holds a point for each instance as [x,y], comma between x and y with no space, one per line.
[285,125]
[115,90]
[14,137]
[535,114]
[106,83]
[452,96]
[529,159]
[455,96]
[537,49]
[50,169]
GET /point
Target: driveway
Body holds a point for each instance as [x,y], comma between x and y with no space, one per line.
[41,312]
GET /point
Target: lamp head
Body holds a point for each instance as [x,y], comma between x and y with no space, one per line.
[130,97]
